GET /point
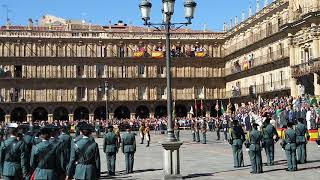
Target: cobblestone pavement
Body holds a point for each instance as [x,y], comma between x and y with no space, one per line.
[209,161]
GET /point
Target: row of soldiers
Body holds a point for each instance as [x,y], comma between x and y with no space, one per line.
[197,127]
[294,143]
[51,153]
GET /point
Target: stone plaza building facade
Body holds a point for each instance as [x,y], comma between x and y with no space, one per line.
[59,71]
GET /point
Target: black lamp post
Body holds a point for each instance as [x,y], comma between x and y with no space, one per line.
[171,146]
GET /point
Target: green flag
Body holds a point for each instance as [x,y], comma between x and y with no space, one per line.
[222,109]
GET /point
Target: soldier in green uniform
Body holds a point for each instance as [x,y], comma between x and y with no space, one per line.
[302,133]
[177,131]
[197,129]
[110,147]
[236,139]
[270,134]
[65,141]
[291,147]
[204,131]
[45,158]
[193,131]
[129,148]
[84,158]
[13,164]
[255,140]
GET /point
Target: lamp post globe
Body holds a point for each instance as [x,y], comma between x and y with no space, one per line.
[189,9]
[145,8]
[168,6]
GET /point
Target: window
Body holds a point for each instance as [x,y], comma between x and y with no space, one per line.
[81,93]
[142,93]
[142,70]
[160,71]
[281,78]
[310,54]
[17,71]
[200,93]
[302,56]
[280,49]
[99,70]
[80,71]
[271,80]
[162,93]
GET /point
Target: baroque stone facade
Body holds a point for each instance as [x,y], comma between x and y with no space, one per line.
[59,71]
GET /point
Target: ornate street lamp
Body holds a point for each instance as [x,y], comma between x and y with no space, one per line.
[171,146]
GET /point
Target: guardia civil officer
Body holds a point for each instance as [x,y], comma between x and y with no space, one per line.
[13,164]
[197,130]
[110,147]
[255,139]
[129,148]
[84,161]
[302,139]
[65,140]
[236,139]
[291,147]
[204,131]
[270,136]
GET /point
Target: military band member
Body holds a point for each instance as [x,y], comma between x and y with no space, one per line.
[270,136]
[177,131]
[141,132]
[84,158]
[218,124]
[236,139]
[302,140]
[13,164]
[204,131]
[45,160]
[255,139]
[147,134]
[110,147]
[129,148]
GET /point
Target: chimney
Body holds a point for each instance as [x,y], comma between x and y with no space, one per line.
[243,16]
[258,6]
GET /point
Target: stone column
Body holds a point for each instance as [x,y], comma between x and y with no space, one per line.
[50,118]
[316,85]
[7,118]
[208,114]
[71,117]
[29,117]
[171,164]
[151,115]
[293,87]
[132,115]
[91,117]
[111,115]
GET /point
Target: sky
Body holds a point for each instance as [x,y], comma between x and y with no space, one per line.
[213,13]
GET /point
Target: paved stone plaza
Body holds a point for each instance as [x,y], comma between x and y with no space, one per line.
[209,161]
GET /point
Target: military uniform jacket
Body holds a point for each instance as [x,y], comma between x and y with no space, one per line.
[237,136]
[268,132]
[84,160]
[65,140]
[128,143]
[301,131]
[13,158]
[290,139]
[45,159]
[110,143]
[255,138]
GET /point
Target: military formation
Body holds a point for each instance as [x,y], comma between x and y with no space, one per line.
[49,152]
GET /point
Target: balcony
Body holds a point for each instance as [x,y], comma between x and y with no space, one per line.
[312,66]
[260,89]
[258,61]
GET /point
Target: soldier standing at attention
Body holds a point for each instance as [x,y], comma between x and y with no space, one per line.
[147,133]
[193,131]
[44,158]
[110,147]
[218,124]
[290,147]
[141,132]
[65,146]
[13,164]
[197,129]
[270,134]
[302,133]
[255,140]
[84,158]
[204,131]
[236,140]
[129,148]
[177,131]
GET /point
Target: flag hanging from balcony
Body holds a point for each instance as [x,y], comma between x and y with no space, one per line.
[157,54]
[222,109]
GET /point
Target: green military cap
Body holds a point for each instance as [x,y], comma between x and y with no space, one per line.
[46,130]
[86,126]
